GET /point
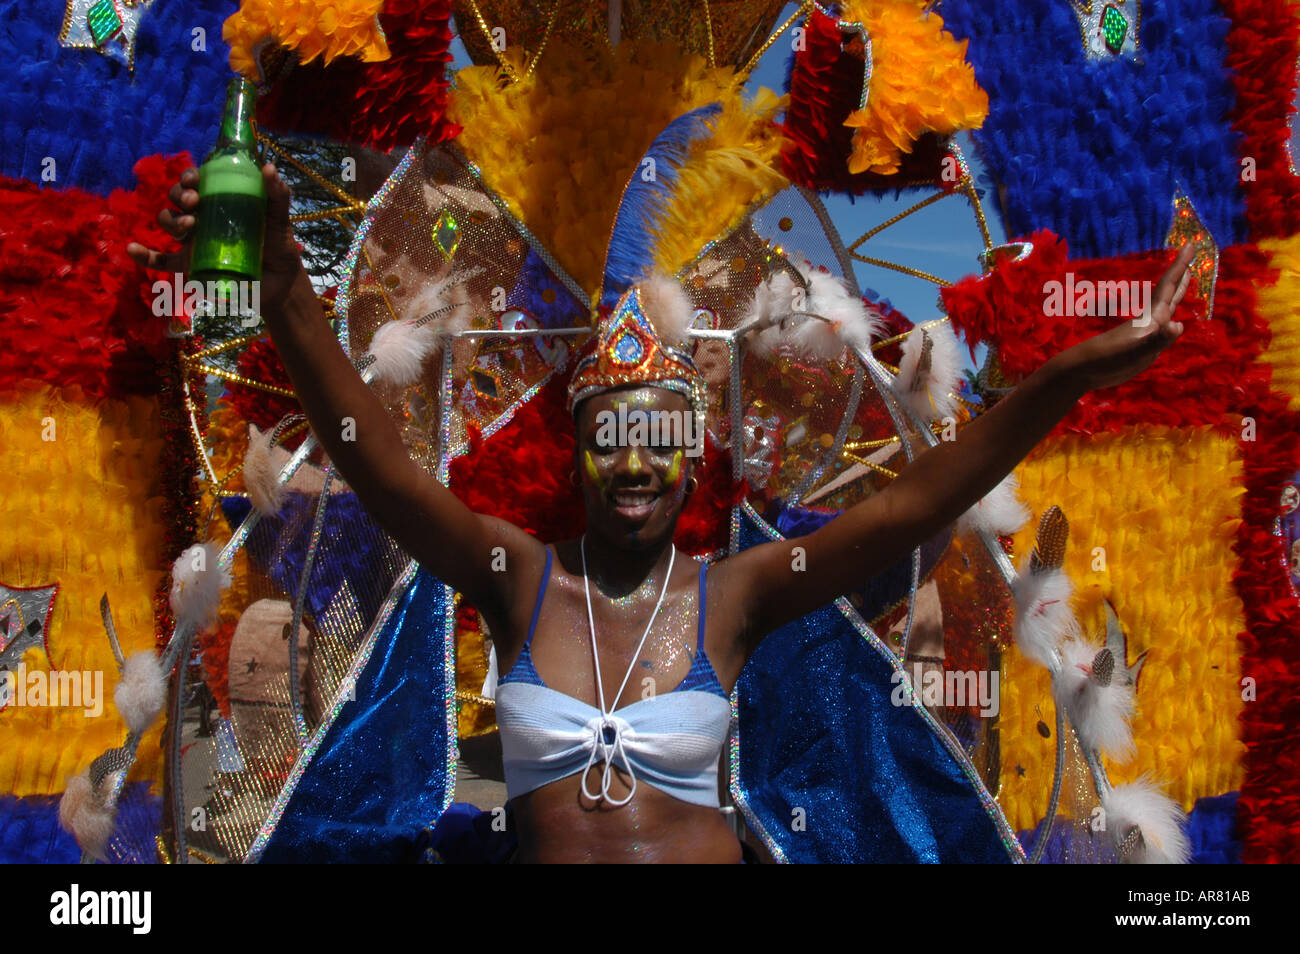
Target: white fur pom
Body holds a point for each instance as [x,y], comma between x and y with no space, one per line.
[927,386]
[400,349]
[197,581]
[1100,713]
[1159,817]
[999,512]
[83,814]
[1043,614]
[261,475]
[668,307]
[142,691]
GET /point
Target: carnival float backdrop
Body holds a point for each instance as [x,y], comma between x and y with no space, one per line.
[1111,132]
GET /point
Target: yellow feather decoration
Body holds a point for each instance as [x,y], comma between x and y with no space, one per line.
[920,82]
[724,175]
[560,143]
[311,28]
[1158,545]
[83,512]
[1276,303]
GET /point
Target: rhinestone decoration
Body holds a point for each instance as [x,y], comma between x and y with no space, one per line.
[1114,27]
[105,26]
[446,234]
[103,22]
[1109,30]
[1188,227]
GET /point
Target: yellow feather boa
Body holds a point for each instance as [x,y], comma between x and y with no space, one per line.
[920,82]
[560,143]
[311,28]
[1167,531]
[83,512]
[1276,303]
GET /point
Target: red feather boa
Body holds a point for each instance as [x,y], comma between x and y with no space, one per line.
[74,309]
[1262,59]
[1269,804]
[1198,381]
[1261,53]
[381,105]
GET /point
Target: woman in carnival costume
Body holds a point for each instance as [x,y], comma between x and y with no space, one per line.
[618,652]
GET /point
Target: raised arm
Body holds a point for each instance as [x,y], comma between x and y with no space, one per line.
[427,519]
[945,480]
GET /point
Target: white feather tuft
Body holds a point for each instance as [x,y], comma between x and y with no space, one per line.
[400,349]
[1143,804]
[772,301]
[141,693]
[197,581]
[83,814]
[448,300]
[1043,614]
[780,310]
[928,391]
[999,512]
[852,321]
[262,475]
[1100,713]
[668,307]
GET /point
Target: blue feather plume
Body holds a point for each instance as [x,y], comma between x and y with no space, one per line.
[631,246]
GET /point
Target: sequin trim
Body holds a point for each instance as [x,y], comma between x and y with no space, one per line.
[346,691]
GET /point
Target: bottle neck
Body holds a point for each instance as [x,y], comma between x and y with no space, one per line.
[237,120]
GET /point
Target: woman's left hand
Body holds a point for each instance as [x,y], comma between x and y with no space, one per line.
[1126,350]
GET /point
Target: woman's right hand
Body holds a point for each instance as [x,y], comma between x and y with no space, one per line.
[281,262]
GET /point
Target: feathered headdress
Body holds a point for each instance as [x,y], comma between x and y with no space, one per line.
[642,334]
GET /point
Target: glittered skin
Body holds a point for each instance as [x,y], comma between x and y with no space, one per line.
[615,469]
[675,471]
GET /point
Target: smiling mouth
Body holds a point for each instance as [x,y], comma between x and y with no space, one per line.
[634,504]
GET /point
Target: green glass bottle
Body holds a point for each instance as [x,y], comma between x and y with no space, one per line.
[231,216]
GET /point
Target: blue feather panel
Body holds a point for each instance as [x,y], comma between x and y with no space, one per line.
[92,115]
[1093,150]
[631,246]
[30,832]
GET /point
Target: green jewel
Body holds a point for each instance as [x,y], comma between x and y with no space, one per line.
[446,234]
[103,22]
[1114,27]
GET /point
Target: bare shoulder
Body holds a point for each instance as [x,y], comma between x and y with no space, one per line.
[515,560]
[732,624]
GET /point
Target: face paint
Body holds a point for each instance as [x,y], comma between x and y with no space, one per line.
[589,464]
[633,461]
[675,470]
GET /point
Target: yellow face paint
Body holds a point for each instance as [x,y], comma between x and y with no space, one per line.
[675,470]
[589,464]
[633,461]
